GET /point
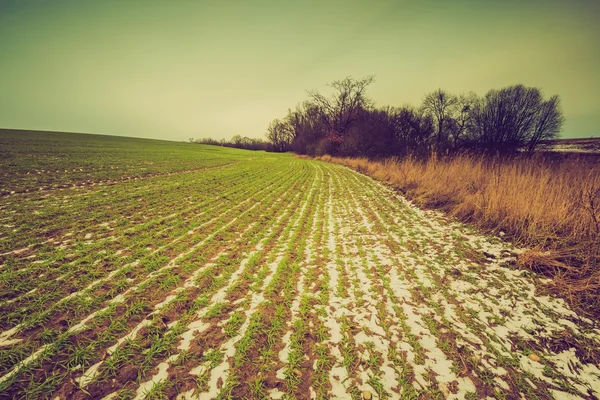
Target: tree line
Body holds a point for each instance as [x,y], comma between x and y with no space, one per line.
[347,123]
[240,142]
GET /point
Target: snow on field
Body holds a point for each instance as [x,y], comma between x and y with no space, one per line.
[283,278]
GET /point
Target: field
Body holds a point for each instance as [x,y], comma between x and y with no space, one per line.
[591,145]
[549,203]
[143,269]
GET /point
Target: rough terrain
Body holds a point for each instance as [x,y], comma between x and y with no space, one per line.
[268,276]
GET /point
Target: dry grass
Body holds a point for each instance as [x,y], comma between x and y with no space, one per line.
[552,205]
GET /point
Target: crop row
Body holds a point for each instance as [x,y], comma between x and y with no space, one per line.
[281,278]
[216,227]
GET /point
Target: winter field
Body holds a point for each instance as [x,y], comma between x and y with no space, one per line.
[132,268]
[591,145]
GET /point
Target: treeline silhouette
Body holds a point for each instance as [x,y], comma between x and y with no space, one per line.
[346,123]
[238,142]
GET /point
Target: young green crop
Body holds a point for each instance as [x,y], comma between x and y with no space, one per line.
[164,269]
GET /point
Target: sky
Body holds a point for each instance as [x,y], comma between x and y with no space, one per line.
[180,69]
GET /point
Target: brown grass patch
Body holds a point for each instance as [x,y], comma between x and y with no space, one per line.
[551,204]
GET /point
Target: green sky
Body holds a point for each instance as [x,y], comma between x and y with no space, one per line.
[180,69]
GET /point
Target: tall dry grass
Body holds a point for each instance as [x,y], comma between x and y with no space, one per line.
[549,204]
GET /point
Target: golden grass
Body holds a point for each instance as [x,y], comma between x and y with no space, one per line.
[550,205]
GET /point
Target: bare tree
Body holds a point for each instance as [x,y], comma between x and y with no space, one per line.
[279,135]
[515,117]
[548,124]
[413,130]
[442,106]
[341,109]
[308,127]
[236,140]
[461,118]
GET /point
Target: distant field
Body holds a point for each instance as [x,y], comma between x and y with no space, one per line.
[134,268]
[591,145]
[41,161]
